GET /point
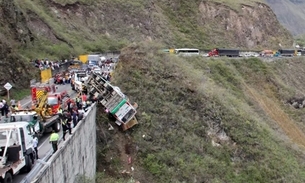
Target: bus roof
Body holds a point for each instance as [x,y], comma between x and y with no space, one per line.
[186,49]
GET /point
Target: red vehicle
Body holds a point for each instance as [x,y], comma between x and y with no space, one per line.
[38,91]
[218,52]
[55,100]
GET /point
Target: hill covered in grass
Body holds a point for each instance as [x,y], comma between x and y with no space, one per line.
[205,120]
[72,27]
[61,29]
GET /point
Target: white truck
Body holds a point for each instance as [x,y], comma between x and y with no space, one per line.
[36,125]
[114,101]
[16,150]
[79,77]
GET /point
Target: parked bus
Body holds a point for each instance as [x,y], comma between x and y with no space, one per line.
[187,51]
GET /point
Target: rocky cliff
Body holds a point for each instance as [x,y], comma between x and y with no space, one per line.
[176,23]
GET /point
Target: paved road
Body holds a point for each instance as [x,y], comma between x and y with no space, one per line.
[44,147]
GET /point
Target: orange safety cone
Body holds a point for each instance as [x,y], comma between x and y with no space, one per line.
[19,106]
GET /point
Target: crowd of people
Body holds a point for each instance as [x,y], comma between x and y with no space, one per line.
[73,112]
[70,116]
[46,63]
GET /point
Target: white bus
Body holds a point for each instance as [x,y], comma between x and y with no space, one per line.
[187,51]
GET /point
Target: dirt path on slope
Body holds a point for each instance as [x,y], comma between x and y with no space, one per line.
[291,129]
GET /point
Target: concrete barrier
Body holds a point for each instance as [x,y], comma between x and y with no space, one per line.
[75,160]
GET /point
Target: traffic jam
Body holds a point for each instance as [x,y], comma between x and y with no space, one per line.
[58,106]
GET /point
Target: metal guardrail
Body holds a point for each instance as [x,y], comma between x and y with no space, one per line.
[33,173]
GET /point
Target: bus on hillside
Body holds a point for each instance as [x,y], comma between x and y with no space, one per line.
[187,51]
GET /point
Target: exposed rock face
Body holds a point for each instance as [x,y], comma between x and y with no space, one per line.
[251,27]
[193,24]
[99,25]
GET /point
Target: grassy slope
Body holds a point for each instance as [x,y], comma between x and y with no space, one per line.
[188,103]
[106,25]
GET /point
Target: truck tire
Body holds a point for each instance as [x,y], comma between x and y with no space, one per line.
[8,178]
[28,163]
[56,126]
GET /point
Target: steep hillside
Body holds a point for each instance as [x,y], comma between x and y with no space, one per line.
[60,29]
[68,27]
[291,13]
[14,33]
[206,120]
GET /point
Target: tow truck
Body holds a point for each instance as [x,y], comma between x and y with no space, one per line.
[36,124]
[111,97]
[42,117]
[16,150]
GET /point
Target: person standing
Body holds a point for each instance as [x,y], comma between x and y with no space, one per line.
[77,100]
[13,103]
[74,117]
[54,140]
[35,146]
[2,108]
[66,125]
[6,109]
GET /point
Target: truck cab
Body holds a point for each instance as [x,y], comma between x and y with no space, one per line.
[36,125]
[79,77]
[31,118]
[16,150]
[55,100]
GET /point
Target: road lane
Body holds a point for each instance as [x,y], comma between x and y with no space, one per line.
[44,147]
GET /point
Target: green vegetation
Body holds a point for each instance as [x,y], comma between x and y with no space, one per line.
[205,120]
[65,28]
[19,94]
[300,40]
[61,42]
